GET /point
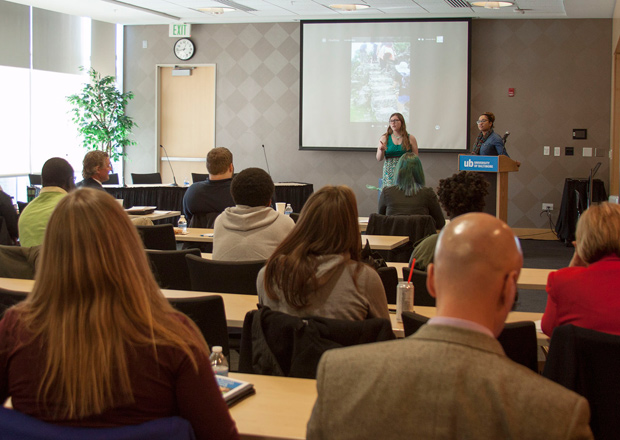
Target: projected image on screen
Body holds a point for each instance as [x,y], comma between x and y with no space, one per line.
[380,73]
[355,74]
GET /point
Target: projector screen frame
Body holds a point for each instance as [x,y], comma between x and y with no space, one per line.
[466,20]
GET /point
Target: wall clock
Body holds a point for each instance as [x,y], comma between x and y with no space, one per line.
[184,49]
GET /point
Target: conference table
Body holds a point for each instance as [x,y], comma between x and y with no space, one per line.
[156,215]
[531,279]
[280,409]
[377,242]
[237,305]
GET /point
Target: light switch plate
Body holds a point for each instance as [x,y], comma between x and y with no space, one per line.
[556,151]
[546,150]
[587,152]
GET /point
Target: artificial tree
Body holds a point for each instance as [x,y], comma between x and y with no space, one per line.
[99,112]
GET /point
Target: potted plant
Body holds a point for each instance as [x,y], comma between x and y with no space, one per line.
[99,112]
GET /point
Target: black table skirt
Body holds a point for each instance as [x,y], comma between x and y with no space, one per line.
[567,221]
[170,198]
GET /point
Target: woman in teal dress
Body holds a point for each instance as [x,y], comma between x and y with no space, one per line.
[393,144]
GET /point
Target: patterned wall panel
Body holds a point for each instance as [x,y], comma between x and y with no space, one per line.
[560,69]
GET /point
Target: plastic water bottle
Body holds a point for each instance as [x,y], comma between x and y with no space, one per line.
[183,224]
[186,181]
[218,361]
[288,210]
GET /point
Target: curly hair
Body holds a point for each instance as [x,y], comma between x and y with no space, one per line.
[463,192]
[252,187]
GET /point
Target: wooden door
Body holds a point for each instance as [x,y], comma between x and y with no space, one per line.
[186,121]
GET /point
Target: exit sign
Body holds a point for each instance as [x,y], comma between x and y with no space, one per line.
[180,30]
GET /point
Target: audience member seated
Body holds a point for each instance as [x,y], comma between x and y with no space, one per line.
[213,194]
[8,217]
[451,379]
[57,179]
[316,270]
[409,196]
[95,170]
[587,293]
[251,230]
[459,194]
[96,344]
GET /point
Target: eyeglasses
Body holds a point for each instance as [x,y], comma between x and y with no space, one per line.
[480,121]
[394,120]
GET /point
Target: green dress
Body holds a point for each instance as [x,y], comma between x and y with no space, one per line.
[392,154]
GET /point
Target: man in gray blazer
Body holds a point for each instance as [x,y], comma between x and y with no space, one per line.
[451,379]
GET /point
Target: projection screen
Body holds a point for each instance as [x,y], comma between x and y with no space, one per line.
[355,74]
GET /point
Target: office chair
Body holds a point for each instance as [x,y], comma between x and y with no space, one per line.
[209,315]
[223,276]
[159,237]
[144,179]
[170,268]
[198,177]
[113,179]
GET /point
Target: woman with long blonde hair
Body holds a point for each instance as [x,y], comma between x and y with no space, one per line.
[96,343]
[316,270]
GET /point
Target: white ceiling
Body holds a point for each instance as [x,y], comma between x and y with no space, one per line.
[115,11]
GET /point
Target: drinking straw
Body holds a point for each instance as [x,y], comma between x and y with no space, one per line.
[411,270]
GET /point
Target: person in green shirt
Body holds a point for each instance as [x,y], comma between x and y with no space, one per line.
[57,179]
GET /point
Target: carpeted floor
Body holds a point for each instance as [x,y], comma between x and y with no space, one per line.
[541,254]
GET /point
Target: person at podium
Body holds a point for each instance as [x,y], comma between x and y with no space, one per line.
[488,143]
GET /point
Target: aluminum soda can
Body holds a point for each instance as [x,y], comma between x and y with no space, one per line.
[404,299]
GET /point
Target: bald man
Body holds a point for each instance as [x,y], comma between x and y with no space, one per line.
[451,379]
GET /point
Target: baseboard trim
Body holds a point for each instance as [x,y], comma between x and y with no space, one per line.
[534,234]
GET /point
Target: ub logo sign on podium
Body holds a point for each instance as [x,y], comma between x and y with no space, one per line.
[479,163]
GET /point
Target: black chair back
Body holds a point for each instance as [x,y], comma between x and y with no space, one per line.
[412,322]
[159,237]
[421,297]
[209,315]
[198,177]
[8,298]
[35,179]
[587,361]
[519,341]
[144,179]
[415,227]
[201,220]
[389,278]
[113,179]
[223,276]
[170,268]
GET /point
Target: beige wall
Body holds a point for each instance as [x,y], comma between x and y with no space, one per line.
[561,71]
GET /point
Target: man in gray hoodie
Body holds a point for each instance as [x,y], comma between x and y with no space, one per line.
[250,230]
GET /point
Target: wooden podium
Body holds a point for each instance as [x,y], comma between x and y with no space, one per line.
[496,169]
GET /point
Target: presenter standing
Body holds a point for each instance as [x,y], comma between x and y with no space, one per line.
[488,143]
[393,144]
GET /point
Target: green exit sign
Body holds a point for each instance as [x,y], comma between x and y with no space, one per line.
[180,30]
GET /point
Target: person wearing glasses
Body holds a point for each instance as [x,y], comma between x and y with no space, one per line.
[488,143]
[395,142]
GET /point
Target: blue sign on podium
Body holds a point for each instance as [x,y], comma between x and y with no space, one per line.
[479,163]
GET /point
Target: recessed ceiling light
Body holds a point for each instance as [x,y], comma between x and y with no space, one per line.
[216,11]
[348,7]
[492,5]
